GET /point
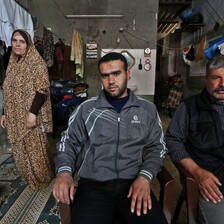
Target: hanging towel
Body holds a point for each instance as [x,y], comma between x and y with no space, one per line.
[77,53]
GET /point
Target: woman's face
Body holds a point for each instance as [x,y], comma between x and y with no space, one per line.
[18,44]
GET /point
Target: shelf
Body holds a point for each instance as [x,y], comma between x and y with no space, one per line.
[191,27]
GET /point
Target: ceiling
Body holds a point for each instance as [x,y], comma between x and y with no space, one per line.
[168,15]
[168,20]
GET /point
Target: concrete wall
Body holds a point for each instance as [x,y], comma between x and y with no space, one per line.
[212,11]
[212,14]
[140,21]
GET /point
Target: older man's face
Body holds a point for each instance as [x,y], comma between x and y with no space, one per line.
[215,84]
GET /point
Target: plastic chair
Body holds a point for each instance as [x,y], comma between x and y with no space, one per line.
[189,194]
[167,186]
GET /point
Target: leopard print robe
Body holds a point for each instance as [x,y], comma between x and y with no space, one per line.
[23,78]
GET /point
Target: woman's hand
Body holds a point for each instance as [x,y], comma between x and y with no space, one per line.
[31,120]
[3,121]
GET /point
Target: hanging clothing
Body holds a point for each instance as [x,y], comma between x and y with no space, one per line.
[12,17]
[59,52]
[39,45]
[48,43]
[63,67]
[77,53]
[24,78]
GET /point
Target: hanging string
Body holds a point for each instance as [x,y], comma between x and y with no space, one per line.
[62,13]
[52,32]
[29,11]
[214,10]
[147,41]
[123,29]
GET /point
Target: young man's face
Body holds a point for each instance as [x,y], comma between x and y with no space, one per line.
[215,84]
[18,44]
[114,78]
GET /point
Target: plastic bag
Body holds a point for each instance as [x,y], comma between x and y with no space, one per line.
[212,48]
[188,54]
[190,15]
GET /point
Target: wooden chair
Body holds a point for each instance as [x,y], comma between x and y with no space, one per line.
[167,186]
[189,194]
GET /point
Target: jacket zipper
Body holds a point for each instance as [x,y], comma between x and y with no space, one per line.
[118,138]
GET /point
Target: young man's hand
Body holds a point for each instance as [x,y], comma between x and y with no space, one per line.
[140,196]
[64,188]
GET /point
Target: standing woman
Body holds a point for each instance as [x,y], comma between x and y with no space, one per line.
[27,110]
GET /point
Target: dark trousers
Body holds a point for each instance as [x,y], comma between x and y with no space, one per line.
[96,203]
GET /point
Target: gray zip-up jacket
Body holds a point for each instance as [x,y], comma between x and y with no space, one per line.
[102,144]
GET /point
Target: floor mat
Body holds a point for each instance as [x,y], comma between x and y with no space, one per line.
[19,204]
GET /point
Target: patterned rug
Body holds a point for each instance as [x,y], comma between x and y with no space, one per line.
[19,204]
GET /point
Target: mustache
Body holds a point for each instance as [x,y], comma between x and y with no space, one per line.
[219,89]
